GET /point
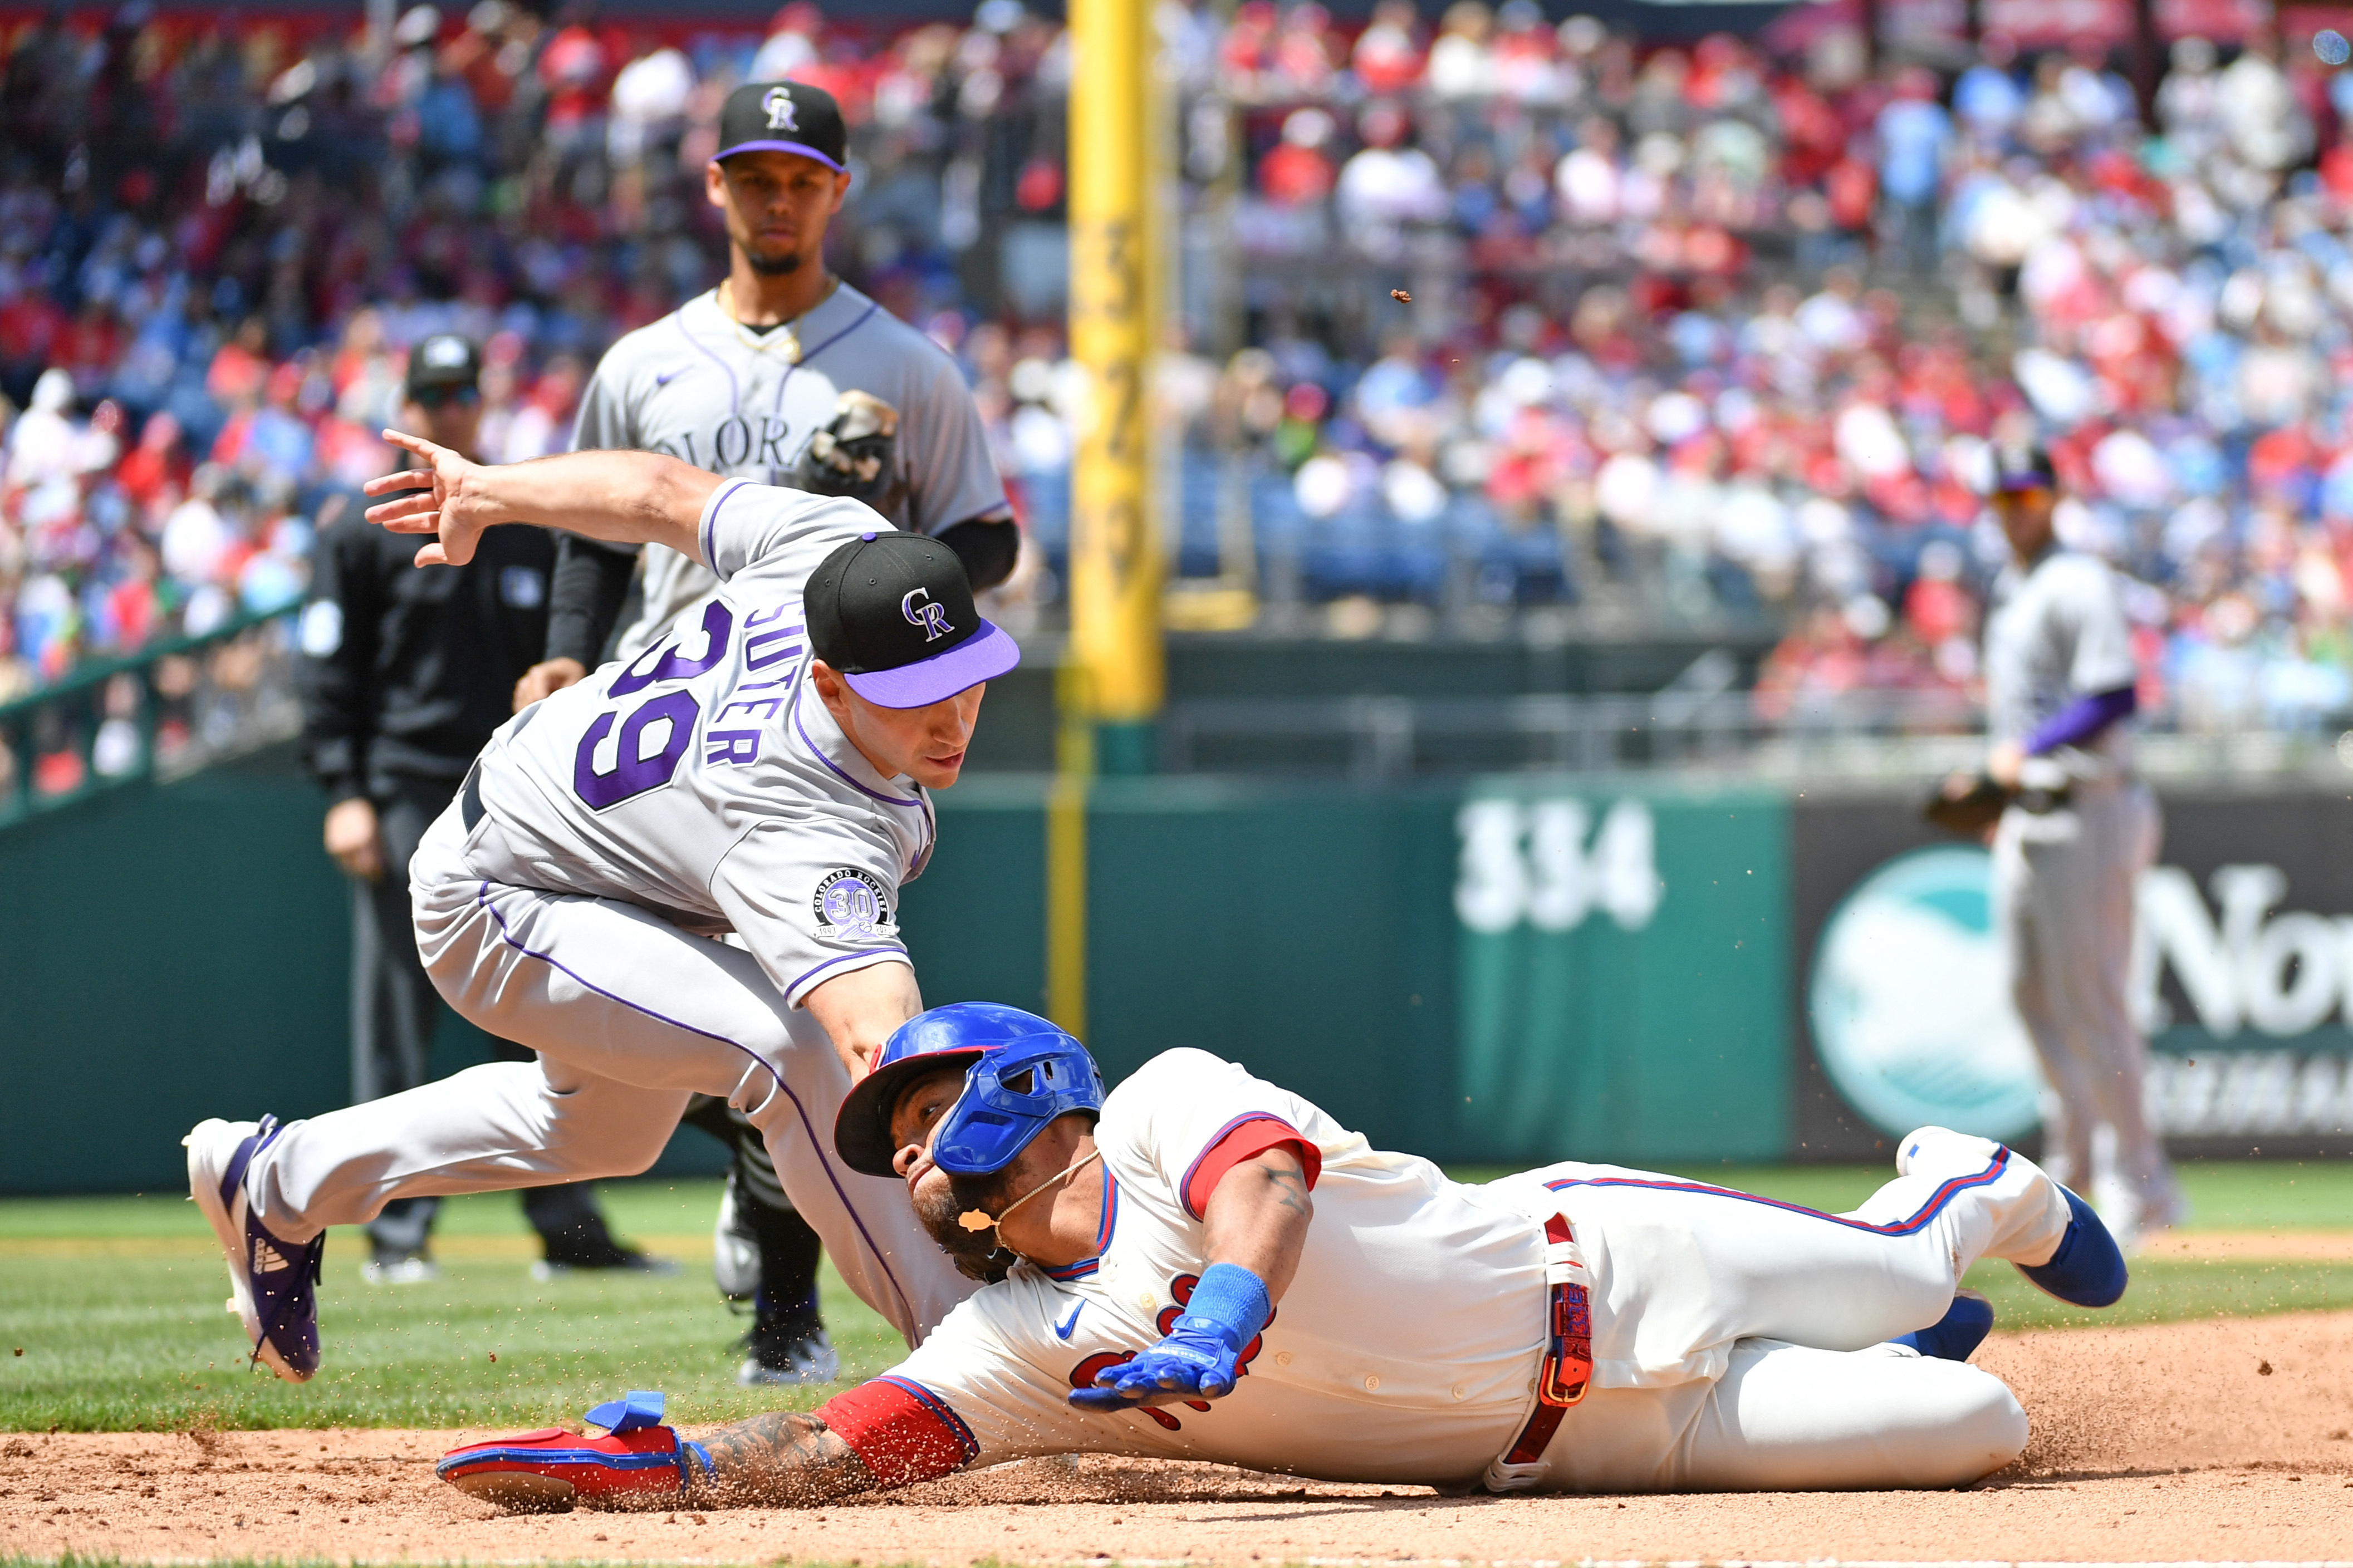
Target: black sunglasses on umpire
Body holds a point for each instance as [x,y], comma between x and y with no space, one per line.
[442,397]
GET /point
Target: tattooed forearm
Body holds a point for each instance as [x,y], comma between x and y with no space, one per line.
[784,1459]
[1258,1217]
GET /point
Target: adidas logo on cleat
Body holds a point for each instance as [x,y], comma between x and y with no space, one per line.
[268,1260]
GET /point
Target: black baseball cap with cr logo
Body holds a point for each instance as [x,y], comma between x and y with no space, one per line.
[783,117]
[444,361]
[2024,469]
[894,613]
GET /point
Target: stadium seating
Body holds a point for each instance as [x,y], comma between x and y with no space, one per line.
[1682,338]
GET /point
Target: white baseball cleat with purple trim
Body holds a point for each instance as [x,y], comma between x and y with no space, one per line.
[272,1283]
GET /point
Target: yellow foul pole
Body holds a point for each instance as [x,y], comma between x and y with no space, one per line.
[1115,565]
[1110,687]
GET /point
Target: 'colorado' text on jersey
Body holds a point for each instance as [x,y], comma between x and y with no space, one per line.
[734,401]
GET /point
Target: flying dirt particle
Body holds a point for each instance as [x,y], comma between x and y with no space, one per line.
[20,1349]
[494,1358]
[2262,1369]
[1401,297]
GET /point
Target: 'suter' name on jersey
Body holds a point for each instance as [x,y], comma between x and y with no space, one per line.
[704,780]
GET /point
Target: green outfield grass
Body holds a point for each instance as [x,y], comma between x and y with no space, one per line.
[116,1305]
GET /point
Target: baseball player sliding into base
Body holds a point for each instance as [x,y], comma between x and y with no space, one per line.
[786,374]
[1202,1265]
[762,772]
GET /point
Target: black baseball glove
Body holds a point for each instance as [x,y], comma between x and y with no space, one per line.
[851,455]
[1966,806]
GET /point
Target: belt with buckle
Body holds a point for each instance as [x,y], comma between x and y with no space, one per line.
[1568,1369]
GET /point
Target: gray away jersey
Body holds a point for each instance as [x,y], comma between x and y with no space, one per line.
[702,388]
[702,779]
[2057,632]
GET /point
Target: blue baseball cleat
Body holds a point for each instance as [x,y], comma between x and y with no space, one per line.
[2088,1269]
[271,1282]
[1957,1335]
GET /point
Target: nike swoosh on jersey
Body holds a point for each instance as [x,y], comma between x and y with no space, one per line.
[1062,1329]
[667,376]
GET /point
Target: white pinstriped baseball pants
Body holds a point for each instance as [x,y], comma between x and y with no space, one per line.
[629,1016]
[1793,1306]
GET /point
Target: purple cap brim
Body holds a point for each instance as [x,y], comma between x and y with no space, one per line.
[802,147]
[985,656]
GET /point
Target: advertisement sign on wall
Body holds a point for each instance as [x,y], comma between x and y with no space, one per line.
[2241,978]
[2244,1003]
[1911,1018]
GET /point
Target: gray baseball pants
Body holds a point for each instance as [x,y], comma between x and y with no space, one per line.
[629,1015]
[2062,896]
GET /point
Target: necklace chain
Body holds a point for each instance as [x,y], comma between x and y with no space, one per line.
[780,339]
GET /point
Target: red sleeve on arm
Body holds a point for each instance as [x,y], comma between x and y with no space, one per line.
[1245,1138]
[903,1431]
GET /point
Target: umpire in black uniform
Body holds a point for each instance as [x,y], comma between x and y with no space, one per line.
[406,673]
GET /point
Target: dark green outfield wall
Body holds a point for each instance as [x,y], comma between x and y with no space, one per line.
[180,951]
[173,953]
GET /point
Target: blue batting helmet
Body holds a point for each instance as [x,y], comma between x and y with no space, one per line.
[1021,1073]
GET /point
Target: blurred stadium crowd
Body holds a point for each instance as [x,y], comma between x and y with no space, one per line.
[1689,337]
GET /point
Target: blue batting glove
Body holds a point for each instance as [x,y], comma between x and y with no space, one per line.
[1195,1362]
[1197,1358]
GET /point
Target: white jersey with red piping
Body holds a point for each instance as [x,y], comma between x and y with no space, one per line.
[1404,1348]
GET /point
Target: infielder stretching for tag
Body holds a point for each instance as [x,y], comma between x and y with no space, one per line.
[1204,1266]
[762,773]
[784,374]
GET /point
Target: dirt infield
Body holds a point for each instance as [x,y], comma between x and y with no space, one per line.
[2195,1441]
